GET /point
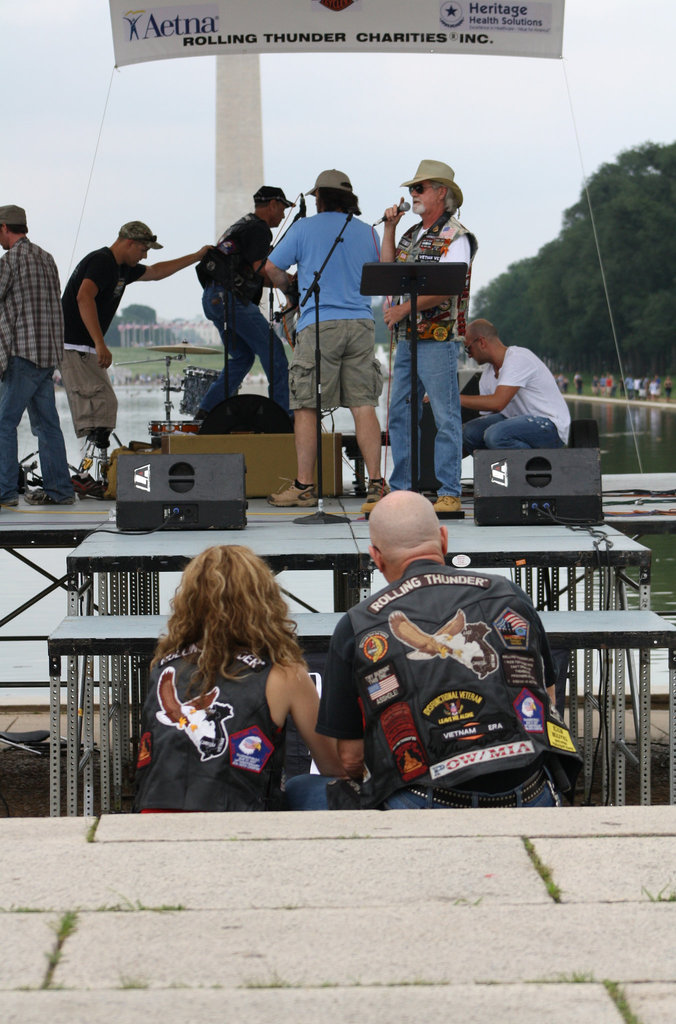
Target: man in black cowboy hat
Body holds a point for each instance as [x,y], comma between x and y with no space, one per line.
[90,301]
[233,299]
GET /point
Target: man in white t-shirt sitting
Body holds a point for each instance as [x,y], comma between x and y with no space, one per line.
[519,401]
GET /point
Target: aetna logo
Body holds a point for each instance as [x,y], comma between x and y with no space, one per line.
[165,22]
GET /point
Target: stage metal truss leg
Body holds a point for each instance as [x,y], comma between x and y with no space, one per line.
[606,711]
[619,748]
[125,686]
[672,725]
[572,665]
[104,733]
[72,732]
[643,738]
[88,738]
[589,699]
[116,711]
[54,737]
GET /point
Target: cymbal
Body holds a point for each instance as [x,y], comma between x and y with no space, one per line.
[195,350]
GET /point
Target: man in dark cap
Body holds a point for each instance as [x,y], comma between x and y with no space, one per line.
[31,345]
[90,302]
[233,285]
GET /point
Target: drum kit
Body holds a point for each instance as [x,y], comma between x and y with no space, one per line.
[195,384]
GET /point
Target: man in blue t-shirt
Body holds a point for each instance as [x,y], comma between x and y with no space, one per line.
[350,373]
[90,301]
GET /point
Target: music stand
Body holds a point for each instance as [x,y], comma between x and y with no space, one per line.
[413,279]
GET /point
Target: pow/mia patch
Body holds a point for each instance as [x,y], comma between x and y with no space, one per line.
[374,646]
[501,752]
[250,749]
[560,738]
[513,629]
[403,740]
[530,712]
[382,686]
[520,670]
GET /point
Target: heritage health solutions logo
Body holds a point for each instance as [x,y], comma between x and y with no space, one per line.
[192,26]
[507,17]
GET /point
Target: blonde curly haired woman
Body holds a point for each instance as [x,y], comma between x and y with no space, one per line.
[222,682]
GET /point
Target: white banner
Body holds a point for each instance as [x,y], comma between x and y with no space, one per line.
[193,28]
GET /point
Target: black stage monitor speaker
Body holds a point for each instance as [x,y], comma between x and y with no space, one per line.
[537,485]
[247,414]
[181,492]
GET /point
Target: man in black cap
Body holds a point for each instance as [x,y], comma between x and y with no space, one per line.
[243,249]
[31,344]
[90,302]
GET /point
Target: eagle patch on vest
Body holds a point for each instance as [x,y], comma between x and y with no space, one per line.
[459,639]
[202,719]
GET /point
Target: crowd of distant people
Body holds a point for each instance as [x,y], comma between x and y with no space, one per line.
[608,386]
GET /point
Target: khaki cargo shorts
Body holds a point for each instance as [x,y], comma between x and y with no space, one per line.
[351,374]
[91,398]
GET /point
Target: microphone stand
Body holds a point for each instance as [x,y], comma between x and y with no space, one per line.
[414,279]
[320,516]
[271,344]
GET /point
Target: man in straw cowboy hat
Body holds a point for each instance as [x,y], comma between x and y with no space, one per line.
[437,237]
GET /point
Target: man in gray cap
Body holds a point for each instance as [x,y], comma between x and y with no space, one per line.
[350,374]
[437,237]
[242,251]
[90,301]
[31,345]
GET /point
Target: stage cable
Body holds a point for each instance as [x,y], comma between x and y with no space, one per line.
[600,258]
[91,171]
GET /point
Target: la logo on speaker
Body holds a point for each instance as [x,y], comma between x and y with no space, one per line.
[499,474]
[142,478]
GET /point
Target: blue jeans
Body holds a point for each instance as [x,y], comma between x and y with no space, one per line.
[438,377]
[26,386]
[252,334]
[498,431]
[307,793]
[404,800]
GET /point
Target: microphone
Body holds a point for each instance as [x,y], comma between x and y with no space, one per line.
[301,209]
[402,208]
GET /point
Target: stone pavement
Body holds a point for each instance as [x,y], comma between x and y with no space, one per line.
[407,916]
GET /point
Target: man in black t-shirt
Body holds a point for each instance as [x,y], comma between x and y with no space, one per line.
[231,300]
[90,301]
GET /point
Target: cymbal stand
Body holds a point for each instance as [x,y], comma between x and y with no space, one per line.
[166,383]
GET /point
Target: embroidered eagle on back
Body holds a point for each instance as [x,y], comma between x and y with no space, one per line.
[202,718]
[459,639]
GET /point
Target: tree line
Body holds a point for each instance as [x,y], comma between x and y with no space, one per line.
[554,302]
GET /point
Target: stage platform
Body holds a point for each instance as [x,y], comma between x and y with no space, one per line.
[635,505]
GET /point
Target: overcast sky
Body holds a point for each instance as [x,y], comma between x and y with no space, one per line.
[503,123]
